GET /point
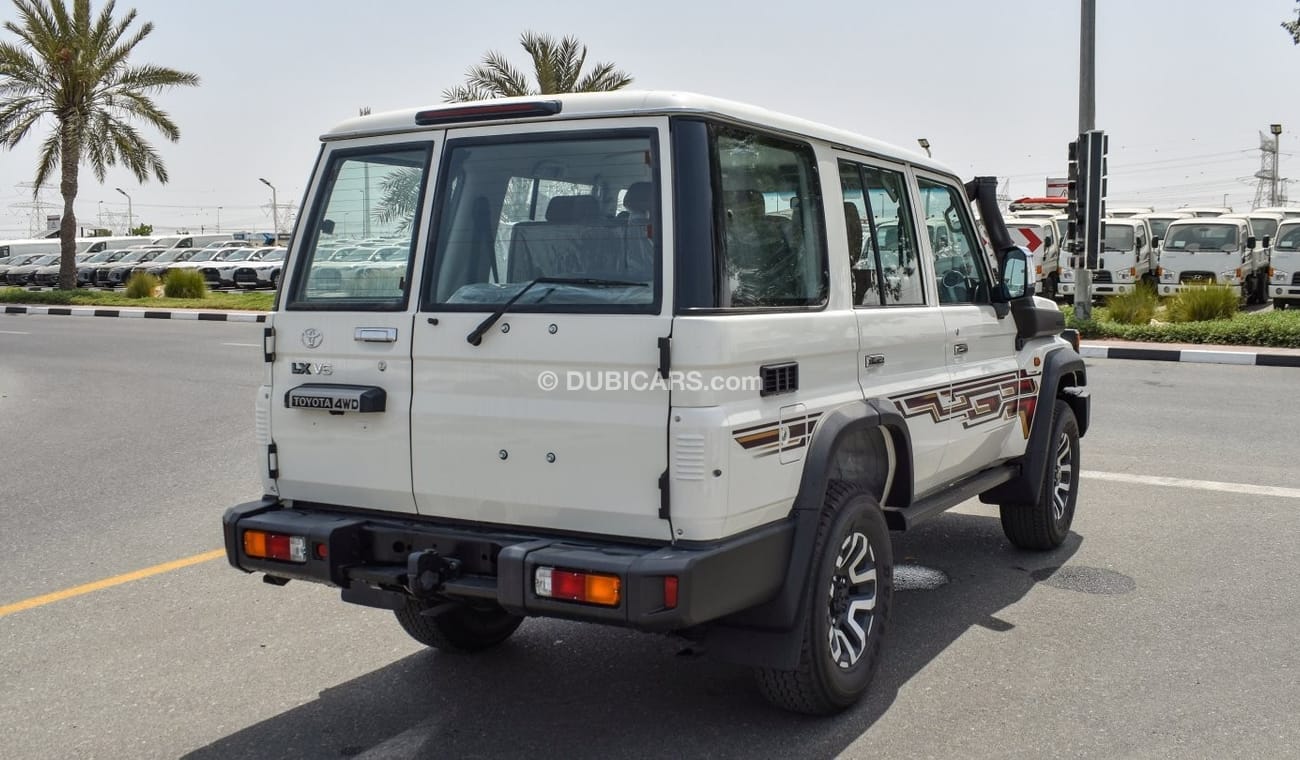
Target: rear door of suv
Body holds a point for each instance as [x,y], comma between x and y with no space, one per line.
[339,401]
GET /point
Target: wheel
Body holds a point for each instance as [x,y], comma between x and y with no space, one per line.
[1045,523]
[461,628]
[1279,304]
[848,598]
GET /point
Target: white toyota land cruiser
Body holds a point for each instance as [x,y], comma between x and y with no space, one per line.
[648,363]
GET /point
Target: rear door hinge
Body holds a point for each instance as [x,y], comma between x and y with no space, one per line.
[664,502]
[665,357]
[272,461]
[268,344]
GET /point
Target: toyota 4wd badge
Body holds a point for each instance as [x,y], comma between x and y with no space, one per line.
[311,337]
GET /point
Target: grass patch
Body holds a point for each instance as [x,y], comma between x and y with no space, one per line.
[215,301]
[185,283]
[141,285]
[1276,328]
[1136,307]
[1204,304]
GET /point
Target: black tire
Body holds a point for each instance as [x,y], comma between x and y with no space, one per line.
[841,645]
[1279,304]
[1045,523]
[459,629]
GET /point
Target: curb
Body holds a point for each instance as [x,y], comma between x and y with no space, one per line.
[94,311]
[1198,356]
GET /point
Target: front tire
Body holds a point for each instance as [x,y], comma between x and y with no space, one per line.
[847,599]
[461,629]
[1045,523]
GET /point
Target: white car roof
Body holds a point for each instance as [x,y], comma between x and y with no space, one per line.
[635,103]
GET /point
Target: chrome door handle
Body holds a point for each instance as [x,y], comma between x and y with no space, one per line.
[960,349]
[376,334]
[875,360]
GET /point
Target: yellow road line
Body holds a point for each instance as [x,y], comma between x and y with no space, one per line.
[116,580]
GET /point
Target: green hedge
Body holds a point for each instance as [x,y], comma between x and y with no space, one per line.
[223,301]
[1281,329]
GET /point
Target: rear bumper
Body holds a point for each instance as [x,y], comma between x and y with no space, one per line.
[368,557]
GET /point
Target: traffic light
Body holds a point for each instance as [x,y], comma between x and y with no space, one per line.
[1092,165]
[1072,244]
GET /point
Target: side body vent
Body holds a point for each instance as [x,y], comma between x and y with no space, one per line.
[779,378]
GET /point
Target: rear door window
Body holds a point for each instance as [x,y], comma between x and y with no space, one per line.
[369,202]
[572,217]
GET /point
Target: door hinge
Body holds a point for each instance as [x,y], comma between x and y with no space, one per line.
[665,356]
[663,494]
[272,461]
[268,344]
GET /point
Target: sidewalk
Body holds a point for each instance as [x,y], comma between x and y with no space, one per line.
[1263,356]
[101,311]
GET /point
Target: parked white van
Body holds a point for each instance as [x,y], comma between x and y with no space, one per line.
[1285,269]
[689,392]
[28,246]
[1214,251]
[188,241]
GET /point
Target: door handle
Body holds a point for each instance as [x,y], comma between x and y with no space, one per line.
[960,348]
[875,360]
[376,334]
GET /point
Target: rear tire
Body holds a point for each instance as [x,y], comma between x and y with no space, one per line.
[847,597]
[460,629]
[1279,304]
[1045,523]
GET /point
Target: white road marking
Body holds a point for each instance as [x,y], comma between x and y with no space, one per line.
[13,332]
[242,345]
[1201,485]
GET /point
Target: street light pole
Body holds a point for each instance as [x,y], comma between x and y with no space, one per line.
[1276,129]
[218,219]
[130,215]
[1087,122]
[275,207]
[925,145]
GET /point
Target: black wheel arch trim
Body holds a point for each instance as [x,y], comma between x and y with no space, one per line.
[1064,377]
[770,633]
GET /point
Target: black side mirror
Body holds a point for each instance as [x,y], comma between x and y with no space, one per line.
[1250,243]
[1155,242]
[1047,241]
[327,226]
[1267,241]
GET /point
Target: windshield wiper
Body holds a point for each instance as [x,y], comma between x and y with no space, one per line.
[476,337]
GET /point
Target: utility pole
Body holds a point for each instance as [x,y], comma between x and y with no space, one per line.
[275,207]
[1087,122]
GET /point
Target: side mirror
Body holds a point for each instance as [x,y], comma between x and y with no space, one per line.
[1155,242]
[1267,241]
[1047,241]
[1015,274]
[1250,243]
[327,226]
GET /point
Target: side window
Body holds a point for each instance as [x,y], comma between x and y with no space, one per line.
[962,276]
[888,271]
[769,213]
[358,251]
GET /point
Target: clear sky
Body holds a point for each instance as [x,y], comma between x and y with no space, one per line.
[1183,86]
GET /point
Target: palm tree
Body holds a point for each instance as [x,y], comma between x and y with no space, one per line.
[73,69]
[557,65]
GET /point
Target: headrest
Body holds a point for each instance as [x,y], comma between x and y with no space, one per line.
[568,209]
[639,197]
[745,204]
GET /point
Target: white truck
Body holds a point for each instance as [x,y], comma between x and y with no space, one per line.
[1127,258]
[1038,236]
[674,401]
[1285,266]
[1214,251]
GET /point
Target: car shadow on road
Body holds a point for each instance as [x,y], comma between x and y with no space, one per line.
[570,690]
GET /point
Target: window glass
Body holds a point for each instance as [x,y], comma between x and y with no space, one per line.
[370,202]
[1289,240]
[773,250]
[580,208]
[888,273]
[1193,238]
[1117,237]
[962,275]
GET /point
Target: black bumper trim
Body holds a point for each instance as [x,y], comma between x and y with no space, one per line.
[366,556]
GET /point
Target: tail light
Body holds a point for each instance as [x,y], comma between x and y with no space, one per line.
[577,586]
[260,544]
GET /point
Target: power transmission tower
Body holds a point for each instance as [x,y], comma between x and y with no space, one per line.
[1270,189]
[35,208]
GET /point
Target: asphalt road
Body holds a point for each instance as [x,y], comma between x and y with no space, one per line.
[1165,627]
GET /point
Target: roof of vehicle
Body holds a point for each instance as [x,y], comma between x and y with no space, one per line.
[1165,215]
[1209,220]
[634,103]
[1275,215]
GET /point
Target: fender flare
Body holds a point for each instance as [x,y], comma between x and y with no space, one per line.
[1056,366]
[771,633]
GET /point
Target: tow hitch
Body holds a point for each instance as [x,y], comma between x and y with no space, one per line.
[427,572]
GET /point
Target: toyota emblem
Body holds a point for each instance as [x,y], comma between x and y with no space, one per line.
[311,337]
